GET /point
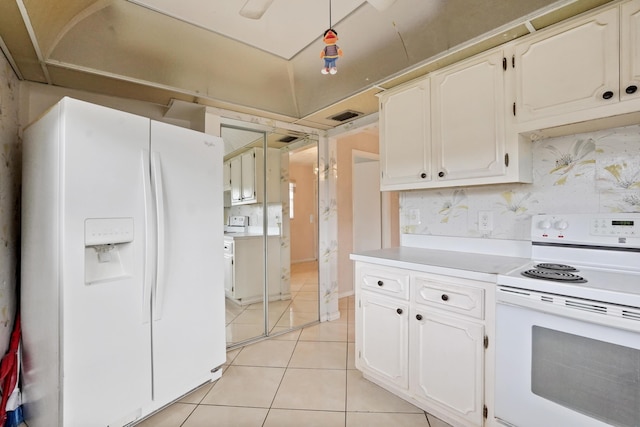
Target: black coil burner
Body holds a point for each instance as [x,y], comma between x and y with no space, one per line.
[558,274]
[555,267]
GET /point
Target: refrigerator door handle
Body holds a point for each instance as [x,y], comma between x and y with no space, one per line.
[149,225]
[158,295]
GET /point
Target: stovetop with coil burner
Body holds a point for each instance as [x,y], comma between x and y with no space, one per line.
[553,271]
[592,256]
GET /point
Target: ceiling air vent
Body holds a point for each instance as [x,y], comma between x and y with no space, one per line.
[345,115]
[287,139]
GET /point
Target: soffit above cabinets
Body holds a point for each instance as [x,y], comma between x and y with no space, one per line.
[205,52]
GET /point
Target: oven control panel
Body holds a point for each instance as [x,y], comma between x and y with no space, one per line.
[616,229]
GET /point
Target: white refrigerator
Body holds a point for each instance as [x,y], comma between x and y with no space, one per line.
[122,287]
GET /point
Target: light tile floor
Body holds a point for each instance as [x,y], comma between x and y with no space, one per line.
[304,378]
[246,322]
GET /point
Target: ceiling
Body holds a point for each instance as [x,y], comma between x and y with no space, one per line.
[206,52]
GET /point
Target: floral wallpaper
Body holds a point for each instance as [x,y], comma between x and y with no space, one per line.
[328,226]
[594,172]
[10,171]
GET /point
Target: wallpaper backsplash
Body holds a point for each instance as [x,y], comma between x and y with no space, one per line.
[584,173]
[10,171]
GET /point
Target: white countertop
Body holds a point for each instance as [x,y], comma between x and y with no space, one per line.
[467,265]
[247,235]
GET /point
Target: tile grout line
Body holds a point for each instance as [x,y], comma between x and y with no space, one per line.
[282,379]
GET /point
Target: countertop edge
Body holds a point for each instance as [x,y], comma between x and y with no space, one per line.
[439,262]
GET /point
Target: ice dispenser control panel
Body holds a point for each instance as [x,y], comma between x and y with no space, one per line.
[108,249]
[107,231]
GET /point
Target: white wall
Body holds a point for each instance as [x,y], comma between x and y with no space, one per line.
[10,171]
[585,173]
[362,141]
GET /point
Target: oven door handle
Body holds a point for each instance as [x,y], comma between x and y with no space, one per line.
[618,316]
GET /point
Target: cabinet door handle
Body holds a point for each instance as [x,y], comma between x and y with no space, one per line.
[607,95]
[399,311]
[419,316]
[631,89]
[380,283]
[423,175]
[441,174]
[445,297]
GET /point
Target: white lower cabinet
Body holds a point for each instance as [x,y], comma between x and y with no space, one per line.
[446,362]
[384,338]
[244,272]
[426,345]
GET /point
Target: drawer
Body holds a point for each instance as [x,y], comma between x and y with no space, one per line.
[450,297]
[392,282]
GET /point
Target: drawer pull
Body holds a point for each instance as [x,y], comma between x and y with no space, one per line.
[607,95]
[399,311]
[631,89]
[445,297]
[419,316]
[380,283]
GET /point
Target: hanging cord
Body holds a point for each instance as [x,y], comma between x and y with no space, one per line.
[330,14]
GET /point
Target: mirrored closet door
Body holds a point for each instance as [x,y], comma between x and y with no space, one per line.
[271,232]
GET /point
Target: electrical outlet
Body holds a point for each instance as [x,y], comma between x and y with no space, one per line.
[485,221]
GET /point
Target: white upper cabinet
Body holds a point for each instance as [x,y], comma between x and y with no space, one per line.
[235,173]
[250,172]
[247,177]
[468,110]
[449,130]
[469,123]
[630,50]
[405,136]
[577,66]
[226,176]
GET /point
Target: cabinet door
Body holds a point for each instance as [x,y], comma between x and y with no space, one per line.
[405,141]
[568,69]
[228,275]
[468,109]
[446,365]
[226,176]
[248,160]
[382,329]
[235,166]
[630,50]
[248,270]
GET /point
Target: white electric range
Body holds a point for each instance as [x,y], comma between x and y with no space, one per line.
[568,325]
[595,257]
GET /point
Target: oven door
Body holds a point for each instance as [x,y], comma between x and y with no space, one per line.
[563,366]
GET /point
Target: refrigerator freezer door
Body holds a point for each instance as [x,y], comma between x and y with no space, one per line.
[40,270]
[106,371]
[188,304]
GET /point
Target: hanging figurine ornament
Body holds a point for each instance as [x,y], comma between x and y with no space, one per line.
[331,52]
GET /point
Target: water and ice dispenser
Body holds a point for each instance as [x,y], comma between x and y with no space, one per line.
[108,249]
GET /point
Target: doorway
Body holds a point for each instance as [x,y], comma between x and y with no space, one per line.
[367,214]
[357,150]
